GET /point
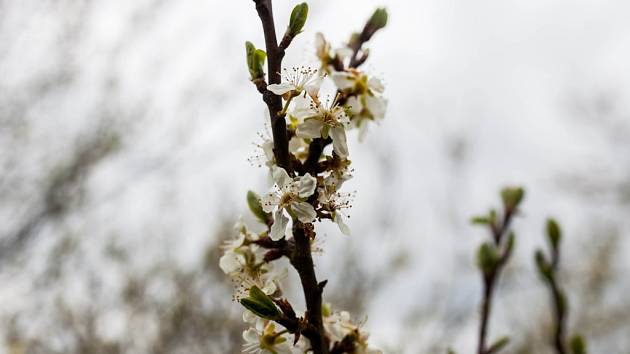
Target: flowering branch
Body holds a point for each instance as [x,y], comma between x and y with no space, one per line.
[548,270]
[307,181]
[492,258]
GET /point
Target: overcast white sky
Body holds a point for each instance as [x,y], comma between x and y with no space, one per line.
[522,92]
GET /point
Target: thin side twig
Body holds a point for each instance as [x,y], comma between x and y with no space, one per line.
[490,280]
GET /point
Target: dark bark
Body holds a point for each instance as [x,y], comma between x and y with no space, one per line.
[302,261]
[274,102]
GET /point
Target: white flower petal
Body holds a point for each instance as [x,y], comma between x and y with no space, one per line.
[376,106]
[249,317]
[307,185]
[311,128]
[279,227]
[251,336]
[230,262]
[355,105]
[343,227]
[343,80]
[295,144]
[281,177]
[376,84]
[269,202]
[302,107]
[304,211]
[340,146]
[281,89]
[267,148]
[312,88]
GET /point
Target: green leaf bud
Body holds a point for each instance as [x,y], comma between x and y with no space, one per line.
[260,304]
[578,345]
[298,19]
[378,19]
[255,60]
[554,233]
[487,257]
[512,197]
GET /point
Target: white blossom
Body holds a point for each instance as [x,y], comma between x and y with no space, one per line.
[338,325]
[335,203]
[298,80]
[267,341]
[321,120]
[290,196]
[366,101]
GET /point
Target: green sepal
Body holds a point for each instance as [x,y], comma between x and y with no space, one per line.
[298,19]
[253,201]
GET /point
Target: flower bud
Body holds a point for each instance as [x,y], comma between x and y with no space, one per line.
[553,233]
[260,304]
[298,19]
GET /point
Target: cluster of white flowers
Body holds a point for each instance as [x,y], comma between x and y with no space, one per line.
[310,192]
[339,326]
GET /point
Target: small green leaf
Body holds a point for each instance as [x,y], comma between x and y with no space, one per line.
[493,216]
[480,220]
[298,18]
[253,201]
[510,243]
[255,60]
[578,345]
[378,19]
[553,233]
[512,197]
[260,304]
[498,345]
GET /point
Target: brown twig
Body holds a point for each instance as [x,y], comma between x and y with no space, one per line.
[490,280]
[274,102]
[302,261]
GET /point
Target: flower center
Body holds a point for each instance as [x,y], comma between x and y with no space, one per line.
[286,199]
